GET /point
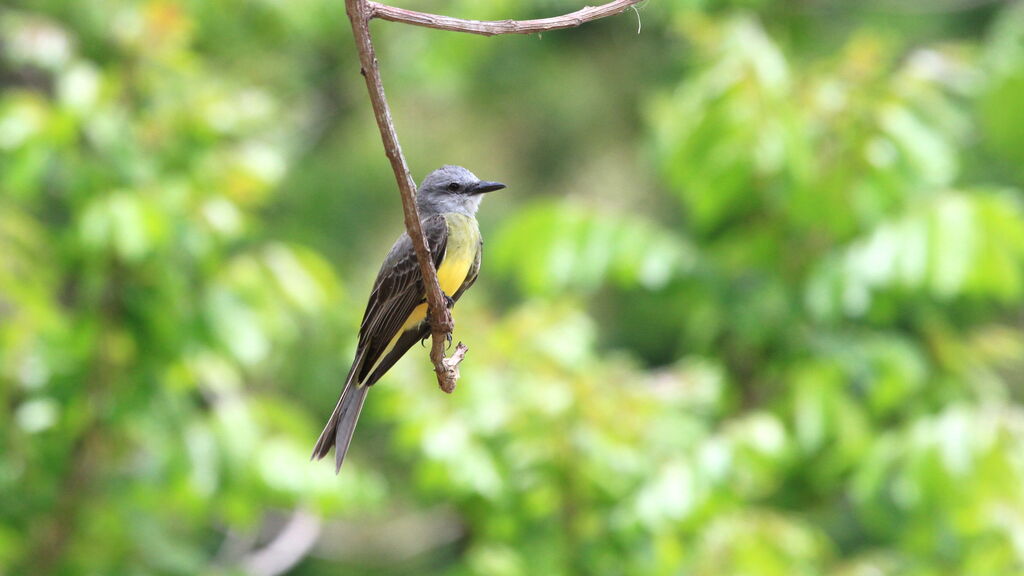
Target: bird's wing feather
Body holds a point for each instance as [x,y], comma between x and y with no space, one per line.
[398,290]
[402,345]
[413,336]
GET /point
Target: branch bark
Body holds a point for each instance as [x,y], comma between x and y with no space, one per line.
[496,27]
[360,12]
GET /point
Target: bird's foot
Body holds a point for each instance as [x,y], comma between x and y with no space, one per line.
[447,336]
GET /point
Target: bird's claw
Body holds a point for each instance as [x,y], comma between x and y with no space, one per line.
[449,302]
[448,337]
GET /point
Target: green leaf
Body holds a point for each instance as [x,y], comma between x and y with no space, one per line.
[550,248]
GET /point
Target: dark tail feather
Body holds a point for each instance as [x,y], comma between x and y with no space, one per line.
[339,429]
[352,406]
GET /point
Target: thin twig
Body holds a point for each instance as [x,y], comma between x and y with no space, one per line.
[360,12]
[496,27]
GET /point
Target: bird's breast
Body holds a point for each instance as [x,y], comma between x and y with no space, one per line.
[461,252]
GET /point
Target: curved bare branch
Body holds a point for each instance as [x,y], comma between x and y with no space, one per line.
[496,27]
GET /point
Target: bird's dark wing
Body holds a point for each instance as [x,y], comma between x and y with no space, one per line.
[405,341]
[413,336]
[397,291]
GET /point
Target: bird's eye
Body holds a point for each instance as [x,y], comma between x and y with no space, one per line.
[454,186]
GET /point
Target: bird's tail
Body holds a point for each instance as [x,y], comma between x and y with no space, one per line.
[341,425]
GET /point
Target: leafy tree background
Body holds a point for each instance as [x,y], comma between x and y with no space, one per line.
[752,304]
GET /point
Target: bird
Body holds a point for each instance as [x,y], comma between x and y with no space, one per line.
[396,313]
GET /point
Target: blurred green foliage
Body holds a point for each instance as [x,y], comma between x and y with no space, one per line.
[751,305]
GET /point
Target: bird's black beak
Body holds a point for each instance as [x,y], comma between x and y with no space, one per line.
[483,187]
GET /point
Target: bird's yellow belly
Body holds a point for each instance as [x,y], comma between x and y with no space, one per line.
[463,244]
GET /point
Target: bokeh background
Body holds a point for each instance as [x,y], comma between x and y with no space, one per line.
[751,305]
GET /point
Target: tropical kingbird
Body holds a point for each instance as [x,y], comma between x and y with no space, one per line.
[396,314]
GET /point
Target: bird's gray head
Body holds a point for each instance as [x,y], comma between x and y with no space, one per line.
[452,189]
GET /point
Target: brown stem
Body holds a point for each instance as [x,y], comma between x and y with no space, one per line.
[496,27]
[360,12]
